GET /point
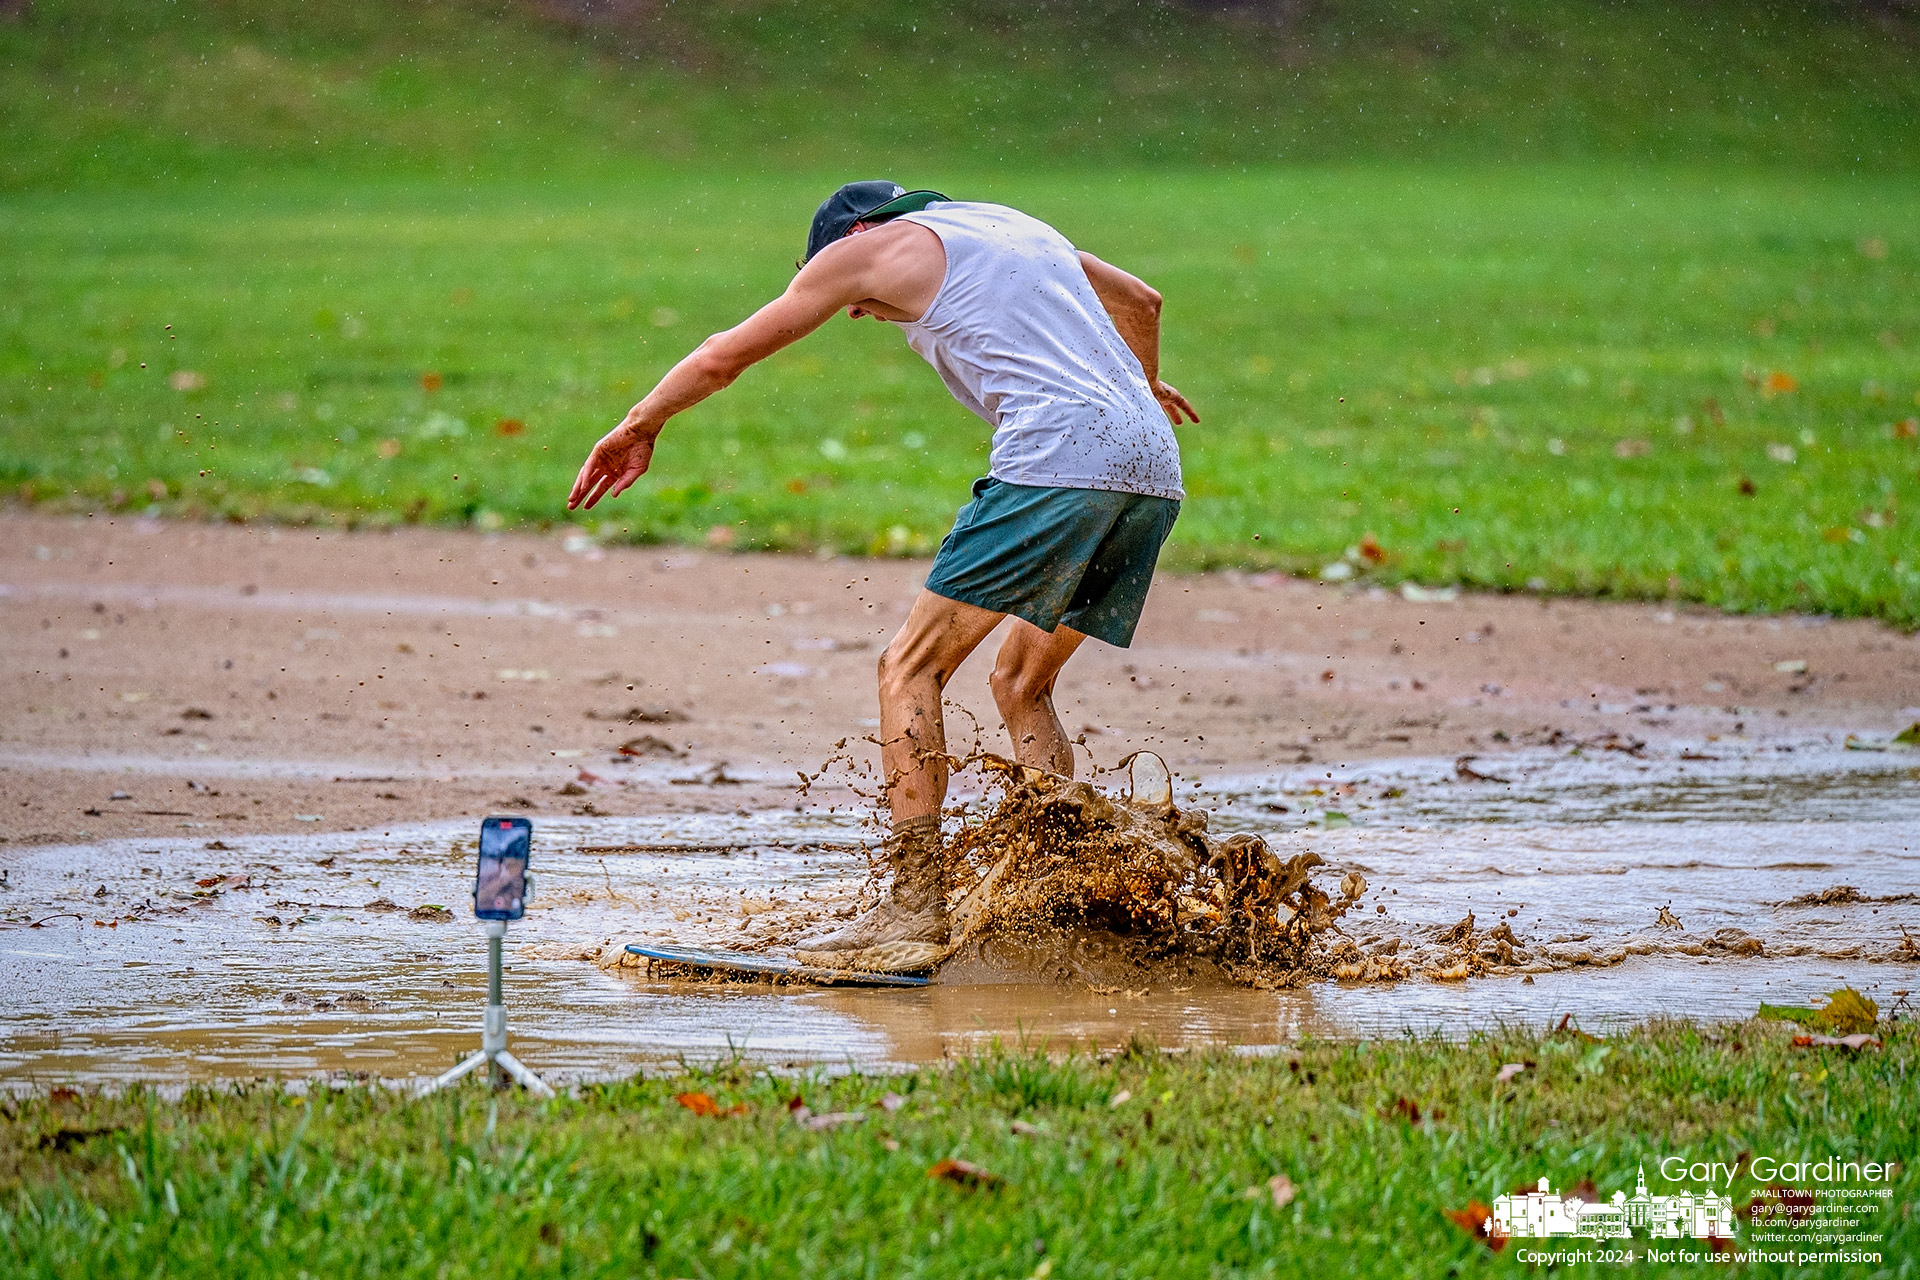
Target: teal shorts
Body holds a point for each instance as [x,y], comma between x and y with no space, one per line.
[1079,557]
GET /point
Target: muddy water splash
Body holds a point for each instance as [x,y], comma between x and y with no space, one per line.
[1812,854]
[1060,865]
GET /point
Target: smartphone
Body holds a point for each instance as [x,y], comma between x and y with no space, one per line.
[500,885]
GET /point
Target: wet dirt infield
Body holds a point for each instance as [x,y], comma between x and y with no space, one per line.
[237,763]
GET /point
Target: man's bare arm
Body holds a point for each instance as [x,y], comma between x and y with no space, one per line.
[1135,308]
[622,456]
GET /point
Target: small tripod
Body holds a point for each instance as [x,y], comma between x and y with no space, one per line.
[493,1053]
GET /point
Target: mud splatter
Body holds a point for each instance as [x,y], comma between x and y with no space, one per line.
[1061,868]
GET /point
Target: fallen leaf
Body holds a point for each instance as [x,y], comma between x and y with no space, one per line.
[1121,1098]
[1566,1025]
[1847,1012]
[1508,1071]
[963,1173]
[509,427]
[61,1093]
[1780,382]
[1857,1041]
[431,382]
[1372,550]
[702,1105]
[1464,770]
[1404,1108]
[891,1101]
[1020,1128]
[1280,1187]
[648,745]
[1477,1220]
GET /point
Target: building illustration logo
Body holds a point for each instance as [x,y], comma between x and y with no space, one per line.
[1700,1214]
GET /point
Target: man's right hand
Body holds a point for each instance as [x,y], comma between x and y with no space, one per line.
[622,456]
[1173,403]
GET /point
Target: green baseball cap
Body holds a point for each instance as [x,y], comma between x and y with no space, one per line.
[861,202]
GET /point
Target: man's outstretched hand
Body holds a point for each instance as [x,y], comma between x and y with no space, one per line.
[622,456]
[1170,400]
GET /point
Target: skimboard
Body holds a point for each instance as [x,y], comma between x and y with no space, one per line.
[744,964]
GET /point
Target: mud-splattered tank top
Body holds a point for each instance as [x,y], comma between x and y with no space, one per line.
[1019,336]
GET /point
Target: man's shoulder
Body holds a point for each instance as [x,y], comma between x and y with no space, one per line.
[892,240]
[1004,219]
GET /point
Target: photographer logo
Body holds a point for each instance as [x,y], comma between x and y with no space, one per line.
[1702,1214]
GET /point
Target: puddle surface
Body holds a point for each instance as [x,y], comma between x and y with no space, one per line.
[292,974]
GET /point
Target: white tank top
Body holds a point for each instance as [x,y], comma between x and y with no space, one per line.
[1019,336]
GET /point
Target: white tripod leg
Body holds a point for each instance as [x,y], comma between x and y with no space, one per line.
[518,1070]
[439,1082]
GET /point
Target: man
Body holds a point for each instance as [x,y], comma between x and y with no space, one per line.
[1060,353]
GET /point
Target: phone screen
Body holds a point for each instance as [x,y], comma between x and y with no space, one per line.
[500,887]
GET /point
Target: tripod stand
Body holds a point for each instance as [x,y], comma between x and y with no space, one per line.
[493,1053]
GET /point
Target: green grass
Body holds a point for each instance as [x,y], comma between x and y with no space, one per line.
[1371,347]
[622,1181]
[108,92]
[1500,284]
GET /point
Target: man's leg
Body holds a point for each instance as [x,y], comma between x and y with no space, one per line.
[910,924]
[936,638]
[1022,681]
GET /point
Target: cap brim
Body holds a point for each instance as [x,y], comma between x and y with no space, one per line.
[908,202]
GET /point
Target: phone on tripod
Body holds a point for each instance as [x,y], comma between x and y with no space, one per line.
[501,885]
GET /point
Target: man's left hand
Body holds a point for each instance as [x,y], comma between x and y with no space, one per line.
[621,457]
[1173,402]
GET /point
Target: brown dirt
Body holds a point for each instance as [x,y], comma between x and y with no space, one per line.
[242,679]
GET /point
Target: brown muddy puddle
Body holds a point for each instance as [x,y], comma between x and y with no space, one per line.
[279,965]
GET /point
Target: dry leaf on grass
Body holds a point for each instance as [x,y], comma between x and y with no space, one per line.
[1477,1220]
[702,1105]
[1121,1098]
[963,1173]
[1508,1071]
[1857,1041]
[1280,1187]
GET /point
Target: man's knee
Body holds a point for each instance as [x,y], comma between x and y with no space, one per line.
[900,669]
[1015,685]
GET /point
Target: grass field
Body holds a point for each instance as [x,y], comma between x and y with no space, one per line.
[119,92]
[1145,1166]
[1607,298]
[1592,364]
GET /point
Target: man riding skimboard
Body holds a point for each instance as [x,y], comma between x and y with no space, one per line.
[1060,353]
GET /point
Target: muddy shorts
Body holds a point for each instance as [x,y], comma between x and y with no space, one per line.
[1082,557]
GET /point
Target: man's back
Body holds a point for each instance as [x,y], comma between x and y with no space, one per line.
[1019,336]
